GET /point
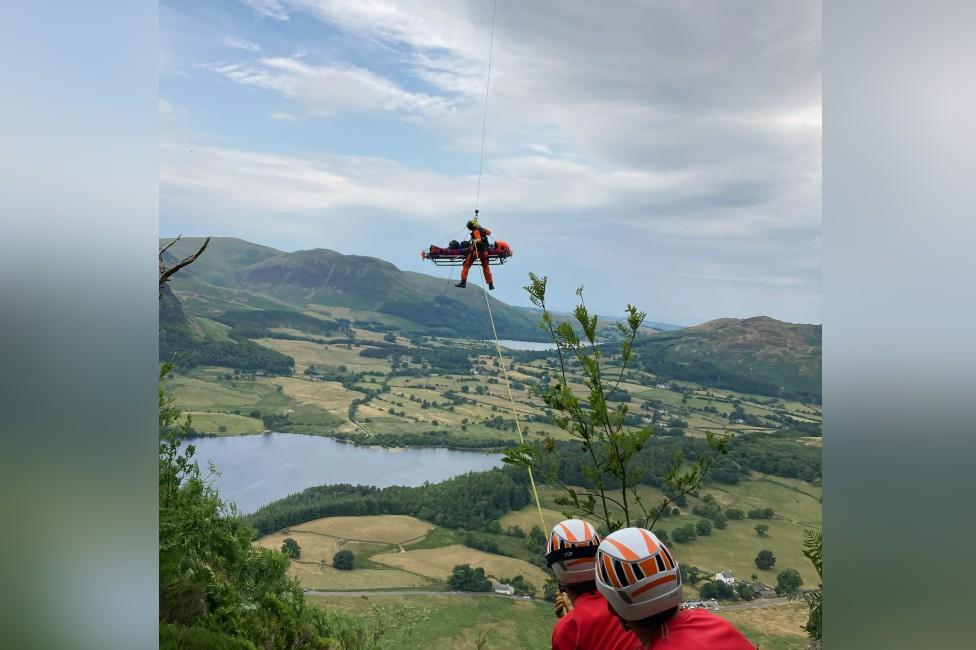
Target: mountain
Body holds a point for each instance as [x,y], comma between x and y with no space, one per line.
[234,274]
[752,355]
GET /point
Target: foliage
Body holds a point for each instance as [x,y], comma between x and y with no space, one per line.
[690,575]
[421,439]
[401,621]
[761,513]
[777,453]
[472,540]
[465,578]
[598,424]
[550,589]
[813,550]
[520,584]
[788,582]
[744,590]
[685,534]
[536,540]
[291,548]
[663,536]
[256,323]
[177,342]
[765,560]
[178,637]
[703,527]
[470,501]
[343,560]
[215,588]
[716,589]
[734,513]
[762,530]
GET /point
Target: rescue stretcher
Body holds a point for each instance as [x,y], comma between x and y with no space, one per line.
[498,253]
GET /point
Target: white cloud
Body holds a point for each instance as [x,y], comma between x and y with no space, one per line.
[236,42]
[283,116]
[271,8]
[282,184]
[327,90]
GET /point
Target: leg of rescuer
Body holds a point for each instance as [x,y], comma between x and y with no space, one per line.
[468,261]
[486,269]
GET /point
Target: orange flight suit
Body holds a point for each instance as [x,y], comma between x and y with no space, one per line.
[479,247]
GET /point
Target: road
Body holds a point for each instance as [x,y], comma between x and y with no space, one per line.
[368,594]
[755,604]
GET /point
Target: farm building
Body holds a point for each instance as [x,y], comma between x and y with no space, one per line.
[725,576]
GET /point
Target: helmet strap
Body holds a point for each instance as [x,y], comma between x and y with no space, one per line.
[571,553]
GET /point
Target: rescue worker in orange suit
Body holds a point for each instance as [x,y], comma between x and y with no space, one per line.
[479,247]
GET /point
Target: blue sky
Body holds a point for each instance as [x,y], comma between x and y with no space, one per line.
[658,153]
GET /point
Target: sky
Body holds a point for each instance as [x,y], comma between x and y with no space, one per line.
[665,154]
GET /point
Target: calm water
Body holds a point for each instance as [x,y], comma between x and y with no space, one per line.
[525,345]
[258,469]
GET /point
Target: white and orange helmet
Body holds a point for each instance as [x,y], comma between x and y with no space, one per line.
[571,551]
[637,575]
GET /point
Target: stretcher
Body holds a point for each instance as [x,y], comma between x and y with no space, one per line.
[451,256]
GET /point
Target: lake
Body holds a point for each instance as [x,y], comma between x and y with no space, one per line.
[255,470]
[534,346]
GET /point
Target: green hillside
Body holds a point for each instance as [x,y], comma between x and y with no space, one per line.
[190,342]
[235,274]
[754,355]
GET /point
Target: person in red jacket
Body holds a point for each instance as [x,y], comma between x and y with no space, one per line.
[641,582]
[585,623]
[479,247]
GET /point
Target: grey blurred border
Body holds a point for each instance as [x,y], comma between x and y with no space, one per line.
[899,184]
[78,324]
[78,313]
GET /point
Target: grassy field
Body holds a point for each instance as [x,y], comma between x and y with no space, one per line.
[215,330]
[233,425]
[796,506]
[325,356]
[438,563]
[455,622]
[321,539]
[197,393]
[772,628]
[528,517]
[322,406]
[736,547]
[325,578]
[387,529]
[433,552]
[315,548]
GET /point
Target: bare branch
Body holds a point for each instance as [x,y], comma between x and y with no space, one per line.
[165,274]
[166,247]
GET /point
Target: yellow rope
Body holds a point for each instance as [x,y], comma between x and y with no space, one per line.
[518,426]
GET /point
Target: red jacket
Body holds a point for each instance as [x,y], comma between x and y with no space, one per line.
[696,629]
[591,626]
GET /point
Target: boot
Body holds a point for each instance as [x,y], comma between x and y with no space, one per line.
[462,284]
[491,286]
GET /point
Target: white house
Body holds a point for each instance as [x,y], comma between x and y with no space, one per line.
[726,577]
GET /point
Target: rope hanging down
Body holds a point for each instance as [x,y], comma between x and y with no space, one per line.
[498,347]
[518,426]
[484,122]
